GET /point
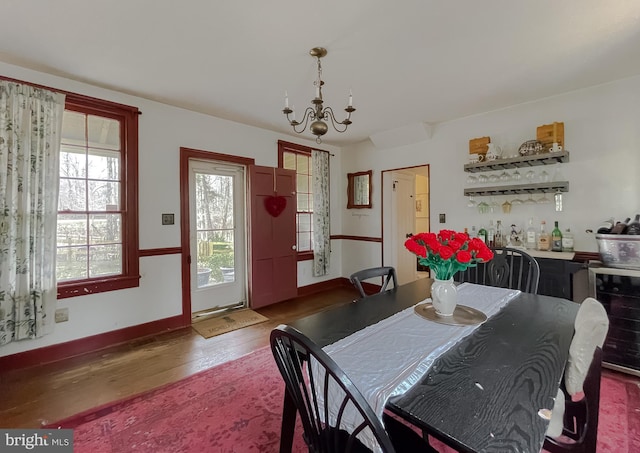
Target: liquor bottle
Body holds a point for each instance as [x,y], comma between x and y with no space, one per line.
[634,227]
[606,226]
[621,227]
[498,239]
[491,235]
[567,241]
[530,238]
[482,234]
[556,238]
[543,237]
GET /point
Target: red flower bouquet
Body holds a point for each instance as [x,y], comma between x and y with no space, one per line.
[448,252]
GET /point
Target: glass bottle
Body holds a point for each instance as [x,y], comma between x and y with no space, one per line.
[491,235]
[530,238]
[482,234]
[567,241]
[606,226]
[543,237]
[556,238]
[621,227]
[499,238]
[474,233]
[634,227]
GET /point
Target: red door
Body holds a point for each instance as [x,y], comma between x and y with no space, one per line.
[273,270]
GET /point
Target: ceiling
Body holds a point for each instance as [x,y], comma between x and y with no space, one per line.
[407,62]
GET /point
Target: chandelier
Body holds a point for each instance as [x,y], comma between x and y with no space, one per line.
[319,115]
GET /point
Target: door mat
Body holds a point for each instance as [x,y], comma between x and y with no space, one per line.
[226,323]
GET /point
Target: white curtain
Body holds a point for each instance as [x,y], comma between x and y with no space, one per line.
[30,128]
[321,219]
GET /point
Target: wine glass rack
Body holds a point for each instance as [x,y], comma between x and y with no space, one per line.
[518,162]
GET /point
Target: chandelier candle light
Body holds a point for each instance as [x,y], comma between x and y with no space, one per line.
[317,113]
[445,254]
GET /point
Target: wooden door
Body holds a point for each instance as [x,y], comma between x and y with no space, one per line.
[273,273]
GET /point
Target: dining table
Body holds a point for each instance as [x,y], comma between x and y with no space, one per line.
[483,387]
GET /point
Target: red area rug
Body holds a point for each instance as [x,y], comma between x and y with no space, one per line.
[236,408]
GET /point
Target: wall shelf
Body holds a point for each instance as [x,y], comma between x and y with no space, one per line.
[519,162]
[543,187]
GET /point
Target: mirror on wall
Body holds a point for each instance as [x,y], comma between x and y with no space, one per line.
[359,189]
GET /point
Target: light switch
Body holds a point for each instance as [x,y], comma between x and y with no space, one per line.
[443,218]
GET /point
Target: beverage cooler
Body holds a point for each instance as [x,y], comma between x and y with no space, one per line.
[619,291]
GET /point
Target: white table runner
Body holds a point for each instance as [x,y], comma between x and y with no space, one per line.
[387,358]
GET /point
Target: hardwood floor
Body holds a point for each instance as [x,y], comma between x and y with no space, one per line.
[47,393]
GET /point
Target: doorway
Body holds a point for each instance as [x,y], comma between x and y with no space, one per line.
[217,236]
[405,207]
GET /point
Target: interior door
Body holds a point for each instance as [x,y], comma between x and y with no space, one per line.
[273,256]
[403,210]
[217,236]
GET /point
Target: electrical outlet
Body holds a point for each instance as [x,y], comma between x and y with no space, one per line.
[62,314]
[167,219]
[443,218]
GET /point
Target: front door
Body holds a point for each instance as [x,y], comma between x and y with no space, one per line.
[273,255]
[217,236]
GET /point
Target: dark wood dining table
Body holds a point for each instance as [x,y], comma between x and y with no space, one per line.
[484,394]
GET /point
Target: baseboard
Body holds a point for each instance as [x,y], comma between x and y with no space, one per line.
[69,349]
[323,286]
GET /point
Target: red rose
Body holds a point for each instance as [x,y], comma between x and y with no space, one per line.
[476,244]
[461,237]
[445,235]
[484,254]
[415,248]
[455,244]
[463,256]
[424,237]
[445,252]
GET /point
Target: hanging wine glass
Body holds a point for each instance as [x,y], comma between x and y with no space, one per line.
[543,199]
[471,203]
[494,206]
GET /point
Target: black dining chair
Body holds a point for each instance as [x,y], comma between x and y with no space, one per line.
[580,420]
[388,273]
[575,427]
[509,268]
[322,393]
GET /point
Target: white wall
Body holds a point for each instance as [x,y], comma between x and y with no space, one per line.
[163,130]
[602,134]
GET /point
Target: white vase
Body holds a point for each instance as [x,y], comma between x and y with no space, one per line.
[444,295]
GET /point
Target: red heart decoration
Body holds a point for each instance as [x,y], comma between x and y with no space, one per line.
[275,205]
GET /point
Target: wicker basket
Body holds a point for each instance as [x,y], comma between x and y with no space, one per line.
[621,251]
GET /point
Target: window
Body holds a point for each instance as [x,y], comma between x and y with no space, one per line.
[97,231]
[298,158]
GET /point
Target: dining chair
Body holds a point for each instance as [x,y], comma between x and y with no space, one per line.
[322,394]
[574,421]
[509,268]
[388,273]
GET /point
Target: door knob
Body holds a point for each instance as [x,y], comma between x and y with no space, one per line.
[293,247]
